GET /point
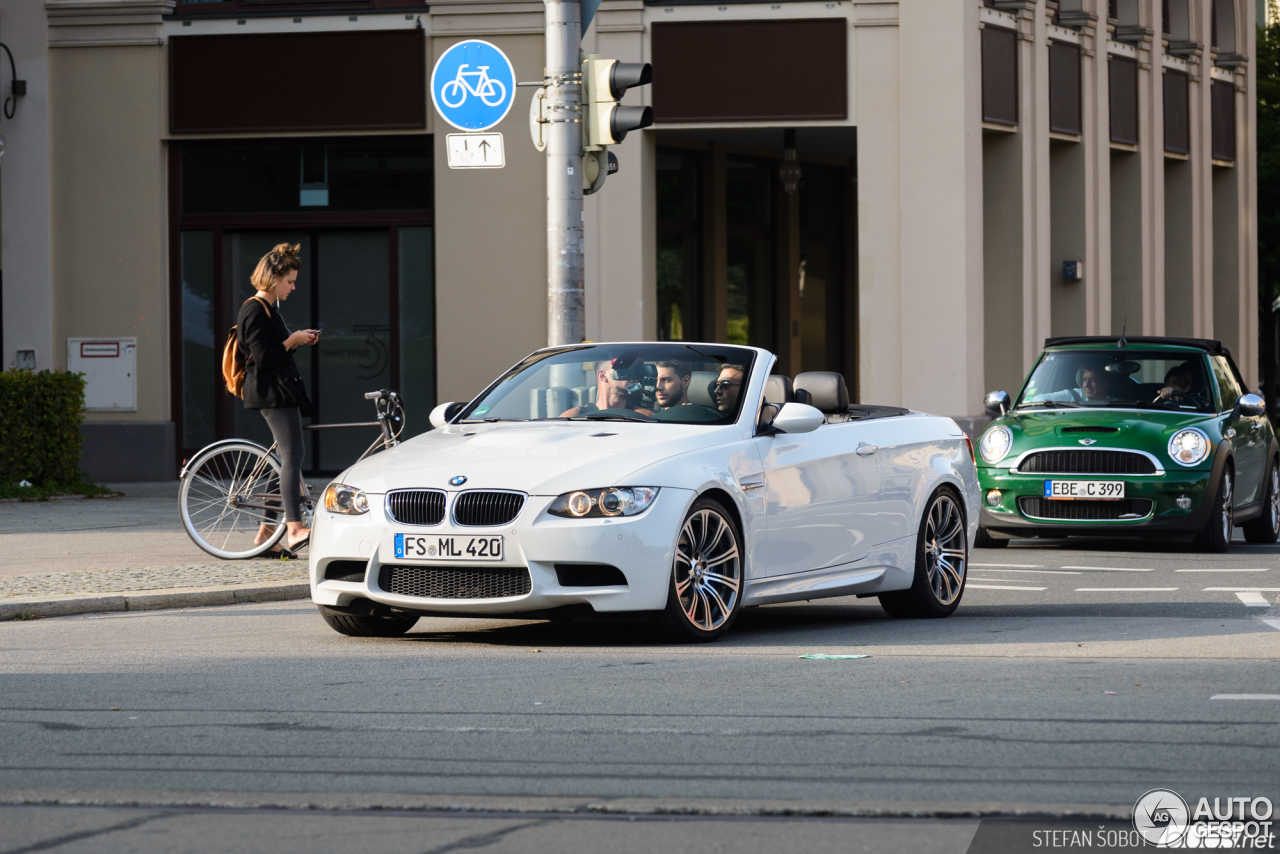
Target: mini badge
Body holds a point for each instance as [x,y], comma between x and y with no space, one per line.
[1087,441]
[457,481]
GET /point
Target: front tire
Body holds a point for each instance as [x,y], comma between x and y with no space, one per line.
[355,626]
[704,593]
[942,558]
[1266,528]
[1216,536]
[983,540]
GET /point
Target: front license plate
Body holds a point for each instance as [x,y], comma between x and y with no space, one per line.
[420,547]
[1070,490]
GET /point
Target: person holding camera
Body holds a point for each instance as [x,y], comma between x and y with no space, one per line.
[611,393]
[272,383]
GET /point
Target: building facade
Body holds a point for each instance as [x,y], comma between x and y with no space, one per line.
[962,180]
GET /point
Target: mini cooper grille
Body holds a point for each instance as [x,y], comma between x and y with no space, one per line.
[485,509]
[1086,462]
[416,506]
[454,582]
[1085,511]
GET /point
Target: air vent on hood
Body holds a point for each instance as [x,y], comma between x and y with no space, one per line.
[1091,429]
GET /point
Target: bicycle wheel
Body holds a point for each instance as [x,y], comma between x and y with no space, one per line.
[458,97]
[493,93]
[224,497]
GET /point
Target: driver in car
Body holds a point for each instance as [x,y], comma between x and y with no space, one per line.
[610,394]
[1094,387]
[673,384]
[1177,380]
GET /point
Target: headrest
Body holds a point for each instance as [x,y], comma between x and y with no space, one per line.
[699,391]
[777,390]
[827,390]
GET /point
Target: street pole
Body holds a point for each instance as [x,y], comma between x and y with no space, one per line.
[565,316]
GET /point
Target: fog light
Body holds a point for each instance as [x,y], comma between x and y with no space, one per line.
[1183,502]
[993,498]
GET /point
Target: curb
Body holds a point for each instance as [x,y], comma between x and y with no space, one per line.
[153,600]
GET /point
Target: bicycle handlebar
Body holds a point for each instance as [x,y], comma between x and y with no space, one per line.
[374,395]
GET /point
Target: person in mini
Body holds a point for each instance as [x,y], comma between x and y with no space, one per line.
[1094,387]
[1178,379]
[673,384]
[610,394]
[728,387]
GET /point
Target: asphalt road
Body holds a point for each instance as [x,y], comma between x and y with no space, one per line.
[1071,680]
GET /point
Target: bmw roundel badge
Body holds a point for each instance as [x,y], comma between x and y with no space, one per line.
[457,481]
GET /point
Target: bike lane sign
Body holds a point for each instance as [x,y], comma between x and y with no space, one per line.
[473,85]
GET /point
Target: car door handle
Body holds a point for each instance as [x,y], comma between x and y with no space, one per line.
[757,484]
[865,450]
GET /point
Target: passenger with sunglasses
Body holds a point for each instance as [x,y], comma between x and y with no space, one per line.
[728,387]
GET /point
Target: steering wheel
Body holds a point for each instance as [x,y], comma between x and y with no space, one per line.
[1175,394]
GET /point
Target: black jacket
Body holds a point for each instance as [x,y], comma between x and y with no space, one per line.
[271,378]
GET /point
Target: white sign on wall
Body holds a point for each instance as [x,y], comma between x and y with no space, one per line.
[110,368]
[475,150]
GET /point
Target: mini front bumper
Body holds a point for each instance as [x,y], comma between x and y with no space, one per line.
[642,547]
[1165,518]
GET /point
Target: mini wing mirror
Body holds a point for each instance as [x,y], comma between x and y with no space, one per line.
[996,403]
[797,418]
[1251,405]
[444,413]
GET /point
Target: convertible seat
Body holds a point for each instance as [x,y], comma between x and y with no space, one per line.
[827,392]
[699,390]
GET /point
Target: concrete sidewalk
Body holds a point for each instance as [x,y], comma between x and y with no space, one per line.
[80,555]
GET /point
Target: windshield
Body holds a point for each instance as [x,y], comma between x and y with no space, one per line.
[1156,380]
[685,384]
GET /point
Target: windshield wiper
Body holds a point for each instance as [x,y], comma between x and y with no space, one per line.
[1051,404]
[490,420]
[601,416]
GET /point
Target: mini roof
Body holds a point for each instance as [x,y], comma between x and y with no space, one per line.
[1206,344]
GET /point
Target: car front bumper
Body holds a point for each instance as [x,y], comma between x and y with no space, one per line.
[642,547]
[1165,519]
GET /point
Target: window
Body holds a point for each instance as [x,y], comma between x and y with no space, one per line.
[1223,96]
[1228,389]
[1223,26]
[1177,133]
[679,245]
[999,76]
[1123,79]
[749,202]
[1064,88]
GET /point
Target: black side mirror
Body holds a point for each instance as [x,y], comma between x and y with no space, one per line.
[996,403]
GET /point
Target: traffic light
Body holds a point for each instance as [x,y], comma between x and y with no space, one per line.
[604,83]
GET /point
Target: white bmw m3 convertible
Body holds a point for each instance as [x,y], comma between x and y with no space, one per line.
[669,483]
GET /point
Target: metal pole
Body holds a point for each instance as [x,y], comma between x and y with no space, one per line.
[565,323]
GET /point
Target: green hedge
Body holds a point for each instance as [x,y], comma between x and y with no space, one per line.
[40,427]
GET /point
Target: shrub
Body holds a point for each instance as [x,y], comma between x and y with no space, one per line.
[40,417]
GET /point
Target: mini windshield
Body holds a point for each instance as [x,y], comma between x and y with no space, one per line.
[1119,378]
[685,384]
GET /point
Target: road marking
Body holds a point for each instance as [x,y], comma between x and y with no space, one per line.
[1241,589]
[1219,570]
[1109,568]
[1123,589]
[1275,624]
[1028,571]
[1006,580]
[1253,600]
[1009,565]
[1000,587]
[1245,697]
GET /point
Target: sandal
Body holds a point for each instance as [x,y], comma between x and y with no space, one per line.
[300,544]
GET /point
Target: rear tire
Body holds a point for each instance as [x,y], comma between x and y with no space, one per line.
[704,588]
[983,540]
[355,626]
[1266,528]
[1216,536]
[942,561]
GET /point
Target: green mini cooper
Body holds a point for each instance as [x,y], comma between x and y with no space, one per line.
[1151,437]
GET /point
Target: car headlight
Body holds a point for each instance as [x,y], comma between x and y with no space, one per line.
[340,498]
[1189,446]
[612,501]
[995,444]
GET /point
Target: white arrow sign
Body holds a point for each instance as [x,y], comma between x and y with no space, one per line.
[475,150]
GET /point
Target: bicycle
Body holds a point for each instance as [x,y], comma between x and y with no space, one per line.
[485,88]
[231,487]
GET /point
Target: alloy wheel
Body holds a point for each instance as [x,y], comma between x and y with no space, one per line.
[1226,506]
[1274,504]
[708,569]
[944,549]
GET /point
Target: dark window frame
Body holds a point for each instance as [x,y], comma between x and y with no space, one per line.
[277,8]
[1117,66]
[992,85]
[1222,99]
[1066,114]
[1172,143]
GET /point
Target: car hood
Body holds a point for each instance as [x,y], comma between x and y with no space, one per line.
[1146,430]
[540,458]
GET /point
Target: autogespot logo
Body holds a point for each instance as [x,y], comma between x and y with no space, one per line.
[1161,817]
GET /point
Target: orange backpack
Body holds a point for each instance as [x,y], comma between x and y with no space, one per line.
[232,364]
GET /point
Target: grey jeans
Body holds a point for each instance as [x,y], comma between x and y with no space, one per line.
[286,427]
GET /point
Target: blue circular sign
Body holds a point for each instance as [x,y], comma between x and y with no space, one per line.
[473,85]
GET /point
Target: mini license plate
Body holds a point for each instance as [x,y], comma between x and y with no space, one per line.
[421,547]
[1070,490]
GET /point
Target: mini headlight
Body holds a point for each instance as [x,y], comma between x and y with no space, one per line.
[612,501]
[1189,446]
[340,498]
[995,444]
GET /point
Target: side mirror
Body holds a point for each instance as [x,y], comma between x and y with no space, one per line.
[444,413]
[996,403]
[1251,405]
[797,418]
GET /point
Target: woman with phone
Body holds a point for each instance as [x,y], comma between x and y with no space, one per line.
[272,382]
